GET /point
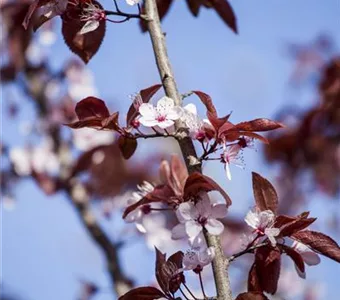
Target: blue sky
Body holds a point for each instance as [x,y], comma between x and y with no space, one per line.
[44,248]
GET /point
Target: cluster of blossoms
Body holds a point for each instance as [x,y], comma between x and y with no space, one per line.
[164,115]
[194,219]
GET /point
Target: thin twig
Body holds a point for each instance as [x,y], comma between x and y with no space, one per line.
[183,294]
[201,283]
[122,14]
[190,292]
[245,251]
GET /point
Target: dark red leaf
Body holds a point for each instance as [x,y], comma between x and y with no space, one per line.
[167,275]
[146,95]
[143,293]
[127,146]
[111,122]
[251,296]
[295,226]
[319,242]
[264,193]
[198,182]
[31,10]
[253,280]
[225,11]
[84,45]
[194,6]
[178,175]
[267,265]
[258,125]
[91,107]
[207,101]
[282,220]
[174,263]
[295,256]
[216,122]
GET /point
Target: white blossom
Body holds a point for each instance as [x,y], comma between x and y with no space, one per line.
[262,222]
[194,217]
[198,259]
[163,115]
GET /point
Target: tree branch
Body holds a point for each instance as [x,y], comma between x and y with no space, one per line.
[219,263]
[79,199]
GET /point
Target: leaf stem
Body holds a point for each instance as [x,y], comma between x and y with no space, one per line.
[248,250]
[202,286]
[190,292]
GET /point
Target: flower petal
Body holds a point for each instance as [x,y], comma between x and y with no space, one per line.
[252,219]
[147,110]
[186,211]
[227,171]
[214,226]
[165,123]
[148,122]
[192,228]
[191,108]
[204,205]
[198,242]
[164,105]
[219,211]
[89,26]
[310,258]
[178,232]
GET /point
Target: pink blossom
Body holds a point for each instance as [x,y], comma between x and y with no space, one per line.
[196,260]
[137,215]
[193,122]
[163,115]
[194,217]
[308,256]
[262,222]
[231,156]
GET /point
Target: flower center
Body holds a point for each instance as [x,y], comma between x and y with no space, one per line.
[202,220]
[161,118]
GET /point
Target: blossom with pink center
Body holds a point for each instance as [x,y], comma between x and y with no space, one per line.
[194,217]
[196,260]
[92,15]
[308,256]
[262,222]
[137,215]
[163,115]
[231,155]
